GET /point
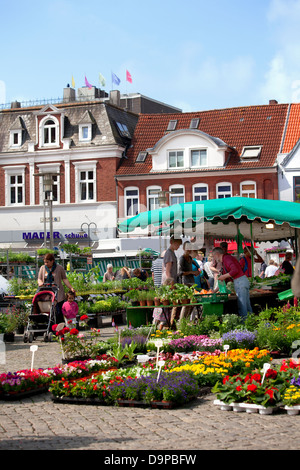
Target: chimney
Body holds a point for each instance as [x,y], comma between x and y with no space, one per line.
[273,102]
[69,95]
[15,104]
[114,97]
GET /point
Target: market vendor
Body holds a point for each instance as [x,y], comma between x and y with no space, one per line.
[246,263]
[232,270]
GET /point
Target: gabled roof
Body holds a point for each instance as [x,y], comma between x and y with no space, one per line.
[292,134]
[237,127]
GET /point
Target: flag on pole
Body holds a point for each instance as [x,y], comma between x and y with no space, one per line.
[128,77]
[73,82]
[87,83]
[115,79]
[101,80]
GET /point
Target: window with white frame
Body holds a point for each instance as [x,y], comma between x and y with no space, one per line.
[198,158]
[224,190]
[15,139]
[131,198]
[176,159]
[85,181]
[49,132]
[200,192]
[50,168]
[176,194]
[85,132]
[248,189]
[152,197]
[87,185]
[14,185]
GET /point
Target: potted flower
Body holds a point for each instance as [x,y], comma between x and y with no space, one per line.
[249,392]
[150,297]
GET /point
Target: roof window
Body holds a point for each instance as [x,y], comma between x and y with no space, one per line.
[172,125]
[251,152]
[141,157]
[123,130]
[194,123]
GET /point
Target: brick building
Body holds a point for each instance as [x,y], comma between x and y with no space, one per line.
[202,155]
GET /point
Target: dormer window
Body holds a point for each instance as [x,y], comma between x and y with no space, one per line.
[85,127]
[49,132]
[15,138]
[16,133]
[251,152]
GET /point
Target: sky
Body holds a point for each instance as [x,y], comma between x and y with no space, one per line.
[195,55]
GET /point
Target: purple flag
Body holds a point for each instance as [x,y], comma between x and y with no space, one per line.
[87,83]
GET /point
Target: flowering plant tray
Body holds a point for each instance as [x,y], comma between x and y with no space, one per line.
[25,394]
[246,407]
[80,400]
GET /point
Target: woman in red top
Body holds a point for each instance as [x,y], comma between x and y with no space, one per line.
[232,271]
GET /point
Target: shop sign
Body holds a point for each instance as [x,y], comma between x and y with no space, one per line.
[56,235]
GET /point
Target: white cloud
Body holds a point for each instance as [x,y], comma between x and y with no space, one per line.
[282,78]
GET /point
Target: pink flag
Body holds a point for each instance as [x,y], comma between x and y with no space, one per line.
[87,83]
[128,77]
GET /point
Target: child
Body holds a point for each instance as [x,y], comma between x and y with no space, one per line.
[158,313]
[70,310]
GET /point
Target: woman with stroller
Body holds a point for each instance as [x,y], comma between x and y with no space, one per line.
[54,274]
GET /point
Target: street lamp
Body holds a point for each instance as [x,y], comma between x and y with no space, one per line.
[48,201]
[88,227]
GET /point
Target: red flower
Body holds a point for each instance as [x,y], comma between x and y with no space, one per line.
[225,379]
[74,332]
[271,374]
[270,392]
[239,388]
[251,388]
[54,327]
[256,377]
[84,317]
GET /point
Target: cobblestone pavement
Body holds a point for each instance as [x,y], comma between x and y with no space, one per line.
[37,423]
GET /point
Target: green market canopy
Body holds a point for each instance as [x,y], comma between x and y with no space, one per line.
[254,219]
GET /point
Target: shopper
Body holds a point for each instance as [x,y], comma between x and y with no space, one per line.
[187,274]
[170,262]
[211,279]
[140,274]
[232,271]
[287,266]
[271,269]
[70,310]
[156,269]
[295,282]
[109,275]
[54,274]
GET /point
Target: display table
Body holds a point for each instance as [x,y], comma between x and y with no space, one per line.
[143,315]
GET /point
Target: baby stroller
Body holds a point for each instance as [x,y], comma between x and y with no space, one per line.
[42,315]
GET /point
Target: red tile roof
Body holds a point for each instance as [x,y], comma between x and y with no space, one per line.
[238,127]
[292,134]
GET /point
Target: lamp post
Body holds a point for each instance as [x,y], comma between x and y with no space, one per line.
[48,201]
[88,227]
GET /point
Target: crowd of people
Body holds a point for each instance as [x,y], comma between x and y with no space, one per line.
[190,269]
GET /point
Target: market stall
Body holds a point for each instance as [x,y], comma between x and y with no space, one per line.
[254,220]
